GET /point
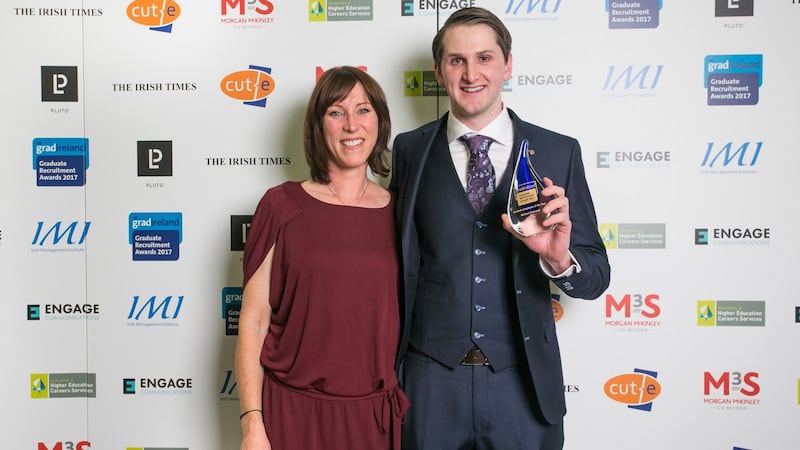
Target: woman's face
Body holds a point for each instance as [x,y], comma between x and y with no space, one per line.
[350,128]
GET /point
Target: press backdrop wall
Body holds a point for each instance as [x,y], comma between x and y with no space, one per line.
[138,137]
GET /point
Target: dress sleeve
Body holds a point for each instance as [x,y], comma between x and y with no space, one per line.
[273,212]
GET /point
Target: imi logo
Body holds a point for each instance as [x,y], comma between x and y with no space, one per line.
[527,8]
[251,86]
[157,16]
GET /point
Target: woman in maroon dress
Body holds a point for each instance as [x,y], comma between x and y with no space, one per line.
[319,324]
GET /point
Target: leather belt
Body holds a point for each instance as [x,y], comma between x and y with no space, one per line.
[475,357]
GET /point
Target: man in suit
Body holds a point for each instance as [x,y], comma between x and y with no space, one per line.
[479,356]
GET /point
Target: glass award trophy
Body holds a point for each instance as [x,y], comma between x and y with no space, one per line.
[525,195]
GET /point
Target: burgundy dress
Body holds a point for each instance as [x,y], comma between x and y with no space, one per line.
[329,353]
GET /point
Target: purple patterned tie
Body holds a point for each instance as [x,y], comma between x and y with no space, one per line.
[480,172]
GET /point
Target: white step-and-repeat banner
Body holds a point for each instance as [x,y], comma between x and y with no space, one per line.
[138,137]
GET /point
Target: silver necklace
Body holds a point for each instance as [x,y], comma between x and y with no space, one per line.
[361,197]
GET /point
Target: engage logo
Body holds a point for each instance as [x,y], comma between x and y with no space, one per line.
[251,86]
[432,7]
[157,16]
[157,386]
[637,389]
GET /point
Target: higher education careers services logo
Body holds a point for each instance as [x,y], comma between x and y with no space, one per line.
[157,16]
[251,86]
[733,79]
[731,313]
[63,385]
[155,236]
[339,10]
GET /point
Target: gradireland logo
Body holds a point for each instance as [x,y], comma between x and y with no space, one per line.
[157,16]
[339,10]
[251,86]
[633,235]
[422,83]
[231,307]
[155,236]
[633,14]
[63,385]
[731,313]
[637,389]
[60,161]
[733,79]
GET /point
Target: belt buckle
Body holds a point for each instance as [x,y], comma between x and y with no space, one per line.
[475,357]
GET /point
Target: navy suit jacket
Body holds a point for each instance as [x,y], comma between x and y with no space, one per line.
[557,157]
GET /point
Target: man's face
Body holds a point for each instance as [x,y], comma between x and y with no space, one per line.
[473,72]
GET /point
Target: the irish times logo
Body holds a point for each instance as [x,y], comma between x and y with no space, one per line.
[154,158]
[59,83]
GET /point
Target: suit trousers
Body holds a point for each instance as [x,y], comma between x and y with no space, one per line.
[473,407]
